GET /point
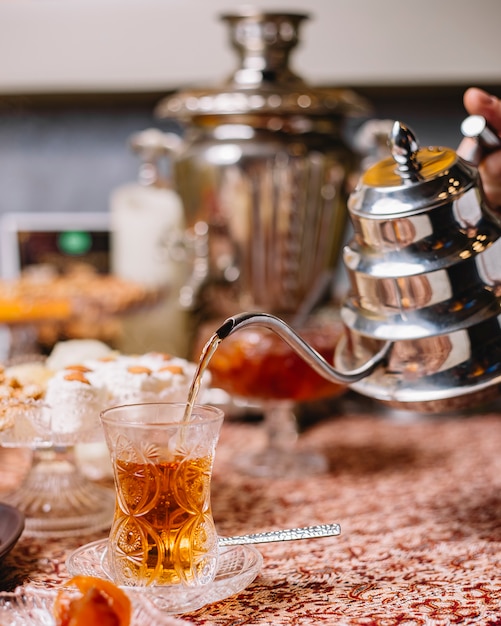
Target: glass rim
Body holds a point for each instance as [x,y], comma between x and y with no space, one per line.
[112,414]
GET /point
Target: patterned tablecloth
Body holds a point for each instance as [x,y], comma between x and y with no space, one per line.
[419,503]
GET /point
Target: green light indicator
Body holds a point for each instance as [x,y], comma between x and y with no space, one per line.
[74,242]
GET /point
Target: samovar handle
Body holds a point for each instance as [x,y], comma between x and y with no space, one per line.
[302,348]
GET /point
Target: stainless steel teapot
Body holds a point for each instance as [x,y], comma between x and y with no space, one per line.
[423,316]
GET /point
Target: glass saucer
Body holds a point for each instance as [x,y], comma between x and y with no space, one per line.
[238,566]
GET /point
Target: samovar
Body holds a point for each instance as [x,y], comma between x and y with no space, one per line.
[264,173]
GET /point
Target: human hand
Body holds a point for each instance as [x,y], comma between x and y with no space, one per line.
[479,102]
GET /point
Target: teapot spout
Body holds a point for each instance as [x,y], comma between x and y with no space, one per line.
[302,348]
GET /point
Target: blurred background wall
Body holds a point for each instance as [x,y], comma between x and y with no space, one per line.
[77,77]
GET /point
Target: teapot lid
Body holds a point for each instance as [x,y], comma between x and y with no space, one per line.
[263,84]
[412,180]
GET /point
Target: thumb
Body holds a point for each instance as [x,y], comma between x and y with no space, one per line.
[479,102]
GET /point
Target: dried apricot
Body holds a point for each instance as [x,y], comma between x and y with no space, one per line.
[101,602]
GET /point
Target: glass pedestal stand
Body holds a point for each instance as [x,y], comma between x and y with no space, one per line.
[280,458]
[58,500]
[55,496]
[256,365]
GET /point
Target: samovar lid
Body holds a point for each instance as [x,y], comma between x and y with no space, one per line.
[412,180]
[263,84]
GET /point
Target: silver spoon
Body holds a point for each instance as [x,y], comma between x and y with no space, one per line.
[292,534]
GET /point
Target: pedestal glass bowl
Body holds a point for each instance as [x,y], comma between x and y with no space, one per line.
[255,365]
[55,496]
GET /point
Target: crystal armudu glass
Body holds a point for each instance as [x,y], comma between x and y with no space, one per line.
[163,532]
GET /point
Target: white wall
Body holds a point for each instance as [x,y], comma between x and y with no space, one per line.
[134,45]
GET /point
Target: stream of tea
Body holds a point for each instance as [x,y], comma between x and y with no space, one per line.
[205,357]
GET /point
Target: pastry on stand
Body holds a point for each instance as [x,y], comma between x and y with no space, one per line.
[51,406]
[43,307]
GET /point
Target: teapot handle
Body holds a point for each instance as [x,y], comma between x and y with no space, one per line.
[302,348]
[479,139]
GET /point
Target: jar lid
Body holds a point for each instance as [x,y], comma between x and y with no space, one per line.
[412,180]
[263,84]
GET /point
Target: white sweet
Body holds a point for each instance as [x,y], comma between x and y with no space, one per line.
[147,377]
[72,351]
[77,394]
[177,377]
[127,381]
[74,401]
